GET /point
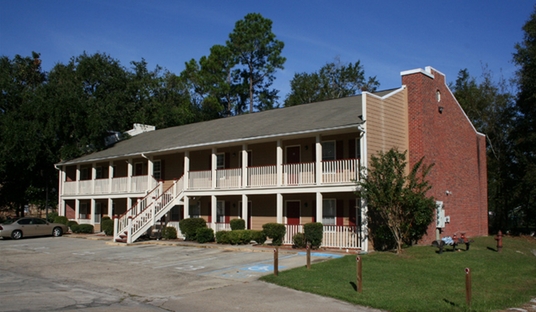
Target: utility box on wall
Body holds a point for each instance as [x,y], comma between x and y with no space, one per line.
[440,215]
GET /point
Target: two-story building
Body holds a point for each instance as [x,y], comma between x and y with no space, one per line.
[290,165]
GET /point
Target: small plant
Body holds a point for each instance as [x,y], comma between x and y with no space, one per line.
[275,231]
[222,237]
[61,219]
[205,235]
[83,228]
[71,223]
[238,224]
[298,240]
[258,236]
[74,227]
[313,233]
[189,227]
[169,232]
[105,218]
[107,226]
[240,237]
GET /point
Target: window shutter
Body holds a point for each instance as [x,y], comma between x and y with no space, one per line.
[352,220]
[227,212]
[339,150]
[340,212]
[351,148]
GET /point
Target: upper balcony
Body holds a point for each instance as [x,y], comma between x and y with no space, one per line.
[300,174]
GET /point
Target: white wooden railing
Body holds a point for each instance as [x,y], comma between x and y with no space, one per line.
[334,236]
[336,171]
[339,171]
[228,178]
[299,174]
[220,226]
[262,176]
[200,180]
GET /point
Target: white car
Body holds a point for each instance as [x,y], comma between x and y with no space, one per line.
[26,227]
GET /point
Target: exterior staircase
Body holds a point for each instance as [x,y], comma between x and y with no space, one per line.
[146,212]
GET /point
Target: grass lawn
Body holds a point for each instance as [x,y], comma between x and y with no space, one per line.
[422,280]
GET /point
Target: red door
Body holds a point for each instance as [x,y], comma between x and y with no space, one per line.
[293,157]
[293,213]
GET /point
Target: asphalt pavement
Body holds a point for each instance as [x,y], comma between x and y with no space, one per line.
[84,273]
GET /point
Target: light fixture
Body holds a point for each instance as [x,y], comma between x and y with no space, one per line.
[440,108]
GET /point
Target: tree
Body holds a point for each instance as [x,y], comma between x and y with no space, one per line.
[491,108]
[334,80]
[258,56]
[524,134]
[25,173]
[395,200]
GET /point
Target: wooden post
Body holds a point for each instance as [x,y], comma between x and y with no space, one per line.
[359,274]
[308,256]
[276,261]
[468,287]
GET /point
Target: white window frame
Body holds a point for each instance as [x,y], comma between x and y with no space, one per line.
[220,157]
[195,210]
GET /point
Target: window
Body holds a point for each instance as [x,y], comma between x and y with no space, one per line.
[83,211]
[175,213]
[220,161]
[328,150]
[84,174]
[358,148]
[220,212]
[98,174]
[329,212]
[195,210]
[138,169]
[157,169]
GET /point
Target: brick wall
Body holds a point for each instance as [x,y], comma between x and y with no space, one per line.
[449,140]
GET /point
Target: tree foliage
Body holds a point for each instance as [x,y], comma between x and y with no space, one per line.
[524,134]
[396,200]
[258,56]
[334,80]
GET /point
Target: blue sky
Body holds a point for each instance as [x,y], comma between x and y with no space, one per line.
[386,36]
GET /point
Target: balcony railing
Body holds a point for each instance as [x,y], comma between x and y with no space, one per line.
[334,236]
[300,174]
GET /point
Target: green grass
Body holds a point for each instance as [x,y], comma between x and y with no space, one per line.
[422,280]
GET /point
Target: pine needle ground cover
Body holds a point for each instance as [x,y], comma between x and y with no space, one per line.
[422,280]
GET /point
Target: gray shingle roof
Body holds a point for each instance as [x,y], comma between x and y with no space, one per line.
[312,117]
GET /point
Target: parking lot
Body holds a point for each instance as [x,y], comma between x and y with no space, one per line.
[63,274]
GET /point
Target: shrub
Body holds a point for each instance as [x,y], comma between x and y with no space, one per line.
[240,237]
[61,219]
[258,236]
[238,224]
[222,237]
[275,231]
[51,216]
[313,233]
[107,226]
[205,235]
[105,218]
[83,228]
[74,227]
[169,232]
[71,223]
[189,227]
[299,240]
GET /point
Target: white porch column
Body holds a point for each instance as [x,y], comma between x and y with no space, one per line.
[318,162]
[150,172]
[213,166]
[279,208]
[110,176]
[279,163]
[77,210]
[186,173]
[319,207]
[244,166]
[62,178]
[186,207]
[214,211]
[129,175]
[245,209]
[363,226]
[77,181]
[110,208]
[92,209]
[93,177]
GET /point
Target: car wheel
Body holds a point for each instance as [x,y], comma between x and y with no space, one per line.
[57,232]
[16,234]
